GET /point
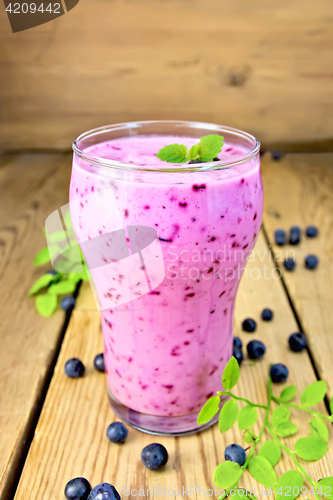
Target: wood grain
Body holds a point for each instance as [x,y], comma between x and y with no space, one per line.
[70,437]
[306,182]
[262,66]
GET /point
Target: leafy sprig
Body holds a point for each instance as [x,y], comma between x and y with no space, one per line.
[207,150]
[261,466]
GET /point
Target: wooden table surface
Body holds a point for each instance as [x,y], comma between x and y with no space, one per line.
[53,428]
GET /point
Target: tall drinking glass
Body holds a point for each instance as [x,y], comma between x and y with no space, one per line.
[166,245]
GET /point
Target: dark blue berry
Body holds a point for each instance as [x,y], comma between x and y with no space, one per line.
[194,161]
[67,303]
[77,489]
[280,237]
[74,368]
[104,491]
[255,349]
[311,262]
[311,231]
[235,453]
[279,373]
[267,315]
[216,159]
[295,235]
[249,325]
[99,362]
[154,456]
[276,155]
[238,354]
[116,432]
[238,342]
[297,341]
[51,271]
[289,264]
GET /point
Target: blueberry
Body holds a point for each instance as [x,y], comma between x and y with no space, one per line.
[267,315]
[116,432]
[74,368]
[238,342]
[297,341]
[77,489]
[249,325]
[289,264]
[311,261]
[311,231]
[255,349]
[238,354]
[279,372]
[195,161]
[154,456]
[216,159]
[67,303]
[104,491]
[235,453]
[51,271]
[99,362]
[276,155]
[295,235]
[280,237]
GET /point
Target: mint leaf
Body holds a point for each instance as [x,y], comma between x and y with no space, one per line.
[249,436]
[62,287]
[326,485]
[288,393]
[210,146]
[57,236]
[230,374]
[194,152]
[285,429]
[173,153]
[262,471]
[314,393]
[46,304]
[280,414]
[42,282]
[227,474]
[331,405]
[42,257]
[76,277]
[228,415]
[209,410]
[310,448]
[271,451]
[247,417]
[318,429]
[293,480]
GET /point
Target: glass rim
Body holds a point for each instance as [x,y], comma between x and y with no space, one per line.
[170,167]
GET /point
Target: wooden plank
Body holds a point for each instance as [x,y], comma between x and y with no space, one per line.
[28,341]
[262,66]
[70,437]
[306,182]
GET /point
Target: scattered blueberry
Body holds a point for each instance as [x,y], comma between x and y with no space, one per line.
[267,315]
[295,235]
[216,159]
[238,354]
[116,432]
[154,456]
[276,155]
[280,237]
[255,349]
[238,342]
[297,341]
[74,368]
[99,362]
[289,264]
[235,453]
[67,303]
[51,271]
[311,262]
[195,161]
[249,325]
[77,489]
[104,491]
[279,373]
[311,231]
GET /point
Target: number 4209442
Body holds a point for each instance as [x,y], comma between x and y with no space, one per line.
[24,8]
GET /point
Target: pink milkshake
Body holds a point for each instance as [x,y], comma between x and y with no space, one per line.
[166,349]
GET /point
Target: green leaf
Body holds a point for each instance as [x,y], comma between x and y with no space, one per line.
[245,494]
[280,414]
[76,277]
[262,471]
[228,415]
[286,429]
[227,475]
[210,146]
[62,287]
[57,236]
[209,410]
[193,152]
[314,393]
[42,257]
[46,304]
[231,373]
[310,448]
[331,405]
[327,486]
[288,393]
[271,451]
[318,429]
[42,282]
[290,479]
[249,436]
[247,417]
[173,153]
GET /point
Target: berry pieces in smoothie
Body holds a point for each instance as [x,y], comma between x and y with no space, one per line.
[255,349]
[249,325]
[280,237]
[154,456]
[99,362]
[104,491]
[267,315]
[279,373]
[289,264]
[74,368]
[297,341]
[311,231]
[77,489]
[116,432]
[295,235]
[311,261]
[235,453]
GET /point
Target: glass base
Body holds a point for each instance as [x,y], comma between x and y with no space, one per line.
[158,425]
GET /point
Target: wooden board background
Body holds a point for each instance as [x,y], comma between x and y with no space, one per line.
[263,66]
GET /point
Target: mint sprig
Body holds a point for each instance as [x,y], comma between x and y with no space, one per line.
[207,150]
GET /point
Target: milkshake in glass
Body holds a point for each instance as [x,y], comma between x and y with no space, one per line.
[167,334]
